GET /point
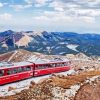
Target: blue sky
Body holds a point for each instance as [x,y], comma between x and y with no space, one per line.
[81,16]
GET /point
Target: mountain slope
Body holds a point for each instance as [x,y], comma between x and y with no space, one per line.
[58,43]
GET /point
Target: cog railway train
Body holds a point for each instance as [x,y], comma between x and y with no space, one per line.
[24,70]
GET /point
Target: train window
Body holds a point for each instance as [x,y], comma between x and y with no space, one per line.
[23,69]
[1,72]
[28,68]
[46,66]
[20,69]
[12,71]
[42,66]
[65,64]
[57,65]
[52,65]
[62,64]
[9,72]
[15,70]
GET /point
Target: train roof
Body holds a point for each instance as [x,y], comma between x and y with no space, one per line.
[4,65]
[12,65]
[48,62]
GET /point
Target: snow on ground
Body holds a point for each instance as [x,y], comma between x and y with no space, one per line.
[72,46]
[24,84]
[62,53]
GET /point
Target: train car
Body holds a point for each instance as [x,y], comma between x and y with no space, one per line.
[15,72]
[52,67]
[24,70]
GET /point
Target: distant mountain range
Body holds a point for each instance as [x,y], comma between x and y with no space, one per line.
[56,43]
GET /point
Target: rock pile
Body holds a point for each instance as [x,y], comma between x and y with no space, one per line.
[84,65]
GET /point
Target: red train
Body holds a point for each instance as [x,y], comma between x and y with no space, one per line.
[25,70]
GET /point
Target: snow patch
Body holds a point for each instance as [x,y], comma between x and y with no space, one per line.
[24,41]
[72,46]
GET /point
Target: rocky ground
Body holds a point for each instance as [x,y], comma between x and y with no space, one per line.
[83,84]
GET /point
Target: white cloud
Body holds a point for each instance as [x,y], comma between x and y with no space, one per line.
[41,1]
[5,16]
[62,17]
[57,5]
[37,3]
[53,17]
[88,2]
[88,19]
[29,1]
[86,10]
[20,7]
[54,13]
[59,9]
[1,4]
